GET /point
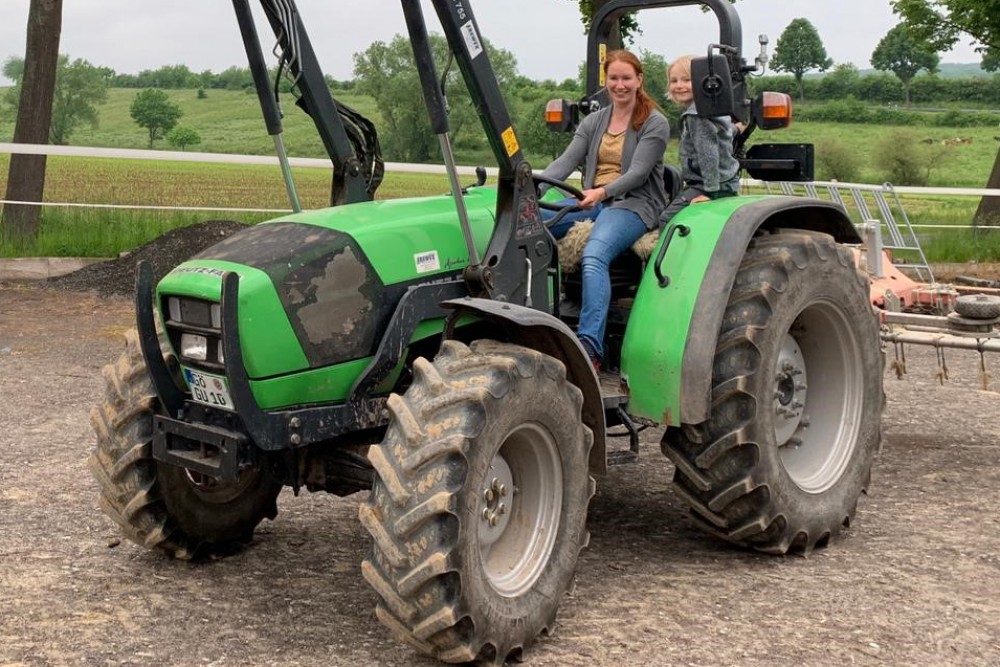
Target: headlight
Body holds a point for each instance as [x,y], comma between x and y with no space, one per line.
[174,306]
[194,346]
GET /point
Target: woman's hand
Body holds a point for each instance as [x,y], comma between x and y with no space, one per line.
[699,199]
[592,197]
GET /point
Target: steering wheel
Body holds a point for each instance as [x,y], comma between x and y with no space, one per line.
[561,209]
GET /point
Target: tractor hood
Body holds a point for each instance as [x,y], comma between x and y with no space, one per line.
[318,288]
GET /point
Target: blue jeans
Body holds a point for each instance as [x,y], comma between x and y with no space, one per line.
[566,223]
[615,230]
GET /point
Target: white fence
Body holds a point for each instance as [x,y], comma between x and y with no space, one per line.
[399,167]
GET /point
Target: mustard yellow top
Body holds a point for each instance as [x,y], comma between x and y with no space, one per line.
[609,158]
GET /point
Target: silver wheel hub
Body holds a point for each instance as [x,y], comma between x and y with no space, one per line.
[519,508]
[789,394]
[497,495]
[816,424]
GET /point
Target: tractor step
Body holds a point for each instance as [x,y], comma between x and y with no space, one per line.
[615,416]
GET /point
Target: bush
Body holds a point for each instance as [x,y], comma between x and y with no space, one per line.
[837,161]
[905,160]
[849,110]
[957,118]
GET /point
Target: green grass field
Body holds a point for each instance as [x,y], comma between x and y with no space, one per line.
[229,122]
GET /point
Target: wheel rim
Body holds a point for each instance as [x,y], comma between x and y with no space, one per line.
[519,509]
[816,424]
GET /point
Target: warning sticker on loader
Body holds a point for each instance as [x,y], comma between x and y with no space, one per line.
[472,41]
[427,261]
[510,141]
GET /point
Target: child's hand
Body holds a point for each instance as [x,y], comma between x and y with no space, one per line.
[592,197]
[699,199]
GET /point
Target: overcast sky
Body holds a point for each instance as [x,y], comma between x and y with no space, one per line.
[546,36]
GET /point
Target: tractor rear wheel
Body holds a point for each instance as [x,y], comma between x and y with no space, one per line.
[796,401]
[479,506]
[162,506]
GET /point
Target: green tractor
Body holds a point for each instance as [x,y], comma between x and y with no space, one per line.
[422,349]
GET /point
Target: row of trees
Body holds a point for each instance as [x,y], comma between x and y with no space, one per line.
[799,50]
[845,80]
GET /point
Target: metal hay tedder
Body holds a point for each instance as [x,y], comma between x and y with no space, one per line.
[913,308]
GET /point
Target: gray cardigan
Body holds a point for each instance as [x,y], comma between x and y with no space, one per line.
[640,187]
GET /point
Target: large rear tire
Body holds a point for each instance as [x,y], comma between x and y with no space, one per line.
[796,401]
[160,506]
[479,506]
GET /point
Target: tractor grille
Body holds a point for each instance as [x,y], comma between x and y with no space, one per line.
[194,327]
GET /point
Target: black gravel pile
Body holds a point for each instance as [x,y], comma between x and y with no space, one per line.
[116,277]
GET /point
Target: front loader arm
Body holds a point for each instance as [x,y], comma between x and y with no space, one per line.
[353,149]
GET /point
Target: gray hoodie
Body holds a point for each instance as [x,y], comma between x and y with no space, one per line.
[706,151]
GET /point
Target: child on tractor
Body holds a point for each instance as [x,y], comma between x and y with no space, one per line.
[708,168]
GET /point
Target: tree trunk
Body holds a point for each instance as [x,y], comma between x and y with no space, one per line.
[26,174]
[988,212]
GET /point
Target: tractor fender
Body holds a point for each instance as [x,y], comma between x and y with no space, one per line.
[541,331]
[768,214]
[670,339]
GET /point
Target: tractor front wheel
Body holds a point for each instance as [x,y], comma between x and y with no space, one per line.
[479,506]
[157,505]
[796,401]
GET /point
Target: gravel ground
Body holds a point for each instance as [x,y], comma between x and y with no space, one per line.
[915,582]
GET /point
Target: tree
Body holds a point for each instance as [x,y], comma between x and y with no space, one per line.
[942,23]
[904,55]
[13,69]
[841,83]
[153,110]
[79,87]
[799,49]
[181,137]
[26,173]
[622,33]
[387,72]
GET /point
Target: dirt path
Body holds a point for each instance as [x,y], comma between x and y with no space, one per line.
[915,582]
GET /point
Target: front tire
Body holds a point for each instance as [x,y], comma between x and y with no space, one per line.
[479,506]
[157,505]
[796,401]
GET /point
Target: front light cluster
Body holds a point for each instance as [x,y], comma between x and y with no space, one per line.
[195,330]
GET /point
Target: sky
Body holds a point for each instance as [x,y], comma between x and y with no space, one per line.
[545,36]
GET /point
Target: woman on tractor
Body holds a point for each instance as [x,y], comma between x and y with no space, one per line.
[621,150]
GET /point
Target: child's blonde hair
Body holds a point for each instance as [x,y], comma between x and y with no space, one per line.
[683,63]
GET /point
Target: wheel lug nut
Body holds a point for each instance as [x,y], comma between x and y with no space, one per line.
[486,514]
[503,490]
[493,520]
[488,495]
[502,509]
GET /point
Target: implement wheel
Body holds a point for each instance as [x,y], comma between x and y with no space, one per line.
[796,401]
[479,506]
[161,506]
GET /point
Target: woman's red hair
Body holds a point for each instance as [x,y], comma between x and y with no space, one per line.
[644,104]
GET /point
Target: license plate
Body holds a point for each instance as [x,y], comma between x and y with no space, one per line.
[209,389]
